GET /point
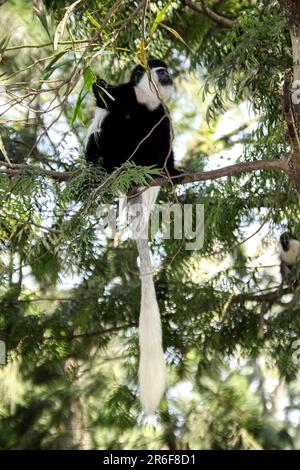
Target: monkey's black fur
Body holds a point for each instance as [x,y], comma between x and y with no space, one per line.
[128,122]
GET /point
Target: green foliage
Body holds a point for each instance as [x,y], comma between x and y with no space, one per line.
[88,79]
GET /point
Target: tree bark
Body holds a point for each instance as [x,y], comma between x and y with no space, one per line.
[291,9]
[78,436]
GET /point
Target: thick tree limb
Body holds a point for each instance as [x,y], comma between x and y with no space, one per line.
[289,115]
[291,9]
[231,170]
[185,178]
[292,130]
[220,20]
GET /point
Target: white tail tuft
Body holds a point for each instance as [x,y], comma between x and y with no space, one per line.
[152,369]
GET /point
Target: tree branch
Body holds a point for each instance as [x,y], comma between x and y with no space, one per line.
[220,20]
[231,170]
[268,298]
[184,178]
[87,334]
[18,169]
[272,296]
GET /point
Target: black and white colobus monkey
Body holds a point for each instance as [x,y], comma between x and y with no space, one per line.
[289,257]
[134,125]
[120,126]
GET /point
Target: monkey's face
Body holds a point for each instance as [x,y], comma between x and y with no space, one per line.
[163,80]
[156,85]
[153,85]
[285,239]
[161,76]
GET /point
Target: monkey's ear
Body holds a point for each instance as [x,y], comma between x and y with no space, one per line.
[137,74]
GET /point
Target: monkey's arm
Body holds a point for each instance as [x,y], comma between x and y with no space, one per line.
[289,274]
[286,273]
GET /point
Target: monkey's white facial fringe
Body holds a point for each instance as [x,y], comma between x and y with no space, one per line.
[95,127]
[146,93]
[152,368]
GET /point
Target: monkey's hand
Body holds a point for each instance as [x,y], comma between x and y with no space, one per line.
[100,83]
[99,87]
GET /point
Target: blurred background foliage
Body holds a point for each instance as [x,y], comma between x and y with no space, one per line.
[69,298]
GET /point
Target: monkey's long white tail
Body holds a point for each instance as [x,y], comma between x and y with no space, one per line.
[152,368]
